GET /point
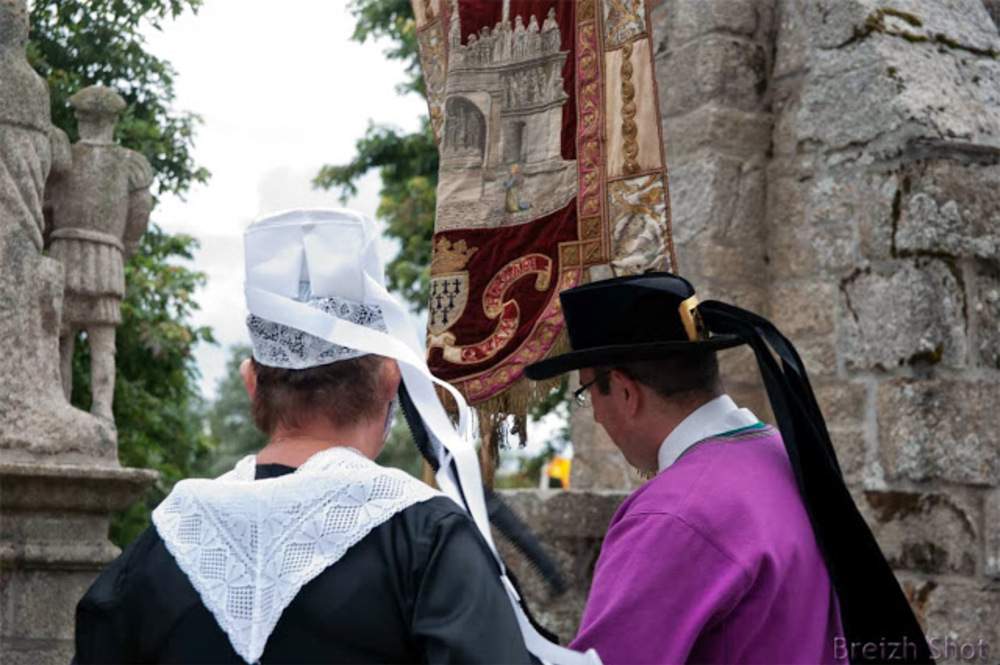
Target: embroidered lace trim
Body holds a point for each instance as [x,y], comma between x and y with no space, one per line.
[248,545]
[277,345]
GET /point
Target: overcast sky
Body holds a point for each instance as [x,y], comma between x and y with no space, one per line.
[282,90]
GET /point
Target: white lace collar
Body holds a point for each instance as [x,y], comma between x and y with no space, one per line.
[248,545]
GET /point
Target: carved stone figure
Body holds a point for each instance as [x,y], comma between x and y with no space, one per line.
[100,209]
[58,465]
[24,137]
[35,420]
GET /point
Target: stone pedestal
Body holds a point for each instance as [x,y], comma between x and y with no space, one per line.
[53,543]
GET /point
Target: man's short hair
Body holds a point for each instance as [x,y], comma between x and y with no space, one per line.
[345,393]
[688,374]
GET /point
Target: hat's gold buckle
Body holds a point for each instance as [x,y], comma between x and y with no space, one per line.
[691,318]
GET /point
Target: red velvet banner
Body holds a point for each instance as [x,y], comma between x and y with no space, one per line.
[545,178]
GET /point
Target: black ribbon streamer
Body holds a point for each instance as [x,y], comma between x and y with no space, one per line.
[873,607]
[506,521]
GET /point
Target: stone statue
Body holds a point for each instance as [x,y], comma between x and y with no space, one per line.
[36,422]
[100,209]
[24,137]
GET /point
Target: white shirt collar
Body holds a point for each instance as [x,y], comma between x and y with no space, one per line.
[713,418]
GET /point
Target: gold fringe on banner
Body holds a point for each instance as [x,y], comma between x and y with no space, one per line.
[516,401]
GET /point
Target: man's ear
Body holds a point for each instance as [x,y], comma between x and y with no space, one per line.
[630,392]
[391,378]
[249,377]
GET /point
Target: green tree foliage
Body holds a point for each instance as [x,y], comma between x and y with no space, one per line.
[400,451]
[76,43]
[407,163]
[158,409]
[229,419]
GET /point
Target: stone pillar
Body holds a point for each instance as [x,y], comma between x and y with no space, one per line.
[59,470]
[883,241]
[712,63]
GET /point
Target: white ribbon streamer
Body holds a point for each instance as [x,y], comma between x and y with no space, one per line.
[402,343]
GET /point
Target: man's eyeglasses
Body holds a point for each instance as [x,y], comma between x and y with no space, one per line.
[581,396]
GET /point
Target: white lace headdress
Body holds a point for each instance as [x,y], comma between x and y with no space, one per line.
[316,293]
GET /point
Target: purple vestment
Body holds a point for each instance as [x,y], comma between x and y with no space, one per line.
[714,561]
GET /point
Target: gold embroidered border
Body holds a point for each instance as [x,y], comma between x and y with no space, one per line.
[630,147]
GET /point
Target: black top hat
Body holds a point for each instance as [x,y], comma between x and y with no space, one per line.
[627,319]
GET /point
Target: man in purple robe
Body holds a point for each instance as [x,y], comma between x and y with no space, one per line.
[723,556]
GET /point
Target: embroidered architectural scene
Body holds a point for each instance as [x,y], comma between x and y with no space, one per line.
[503,115]
[546,179]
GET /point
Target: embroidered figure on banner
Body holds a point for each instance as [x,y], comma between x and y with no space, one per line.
[511,184]
[641,239]
[501,161]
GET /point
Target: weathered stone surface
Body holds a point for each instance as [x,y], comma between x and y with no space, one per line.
[928,532]
[957,24]
[819,355]
[852,454]
[984,307]
[991,510]
[993,9]
[803,307]
[572,525]
[717,70]
[939,429]
[844,407]
[793,52]
[703,195]
[905,312]
[852,106]
[962,618]
[53,542]
[879,204]
[728,272]
[950,207]
[871,89]
[684,20]
[842,403]
[737,134]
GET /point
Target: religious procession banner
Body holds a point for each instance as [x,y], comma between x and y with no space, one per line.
[552,174]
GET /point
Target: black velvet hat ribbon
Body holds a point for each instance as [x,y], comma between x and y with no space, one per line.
[873,607]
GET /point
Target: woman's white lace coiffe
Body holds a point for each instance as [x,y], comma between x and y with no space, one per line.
[248,545]
[277,345]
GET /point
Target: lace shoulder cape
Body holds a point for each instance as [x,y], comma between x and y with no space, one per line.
[248,545]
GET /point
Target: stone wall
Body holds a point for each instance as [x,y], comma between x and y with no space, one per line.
[835,165]
[883,232]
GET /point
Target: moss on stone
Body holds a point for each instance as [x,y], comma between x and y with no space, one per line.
[906,16]
[930,357]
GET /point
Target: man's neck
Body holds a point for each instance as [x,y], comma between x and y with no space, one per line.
[293,446]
